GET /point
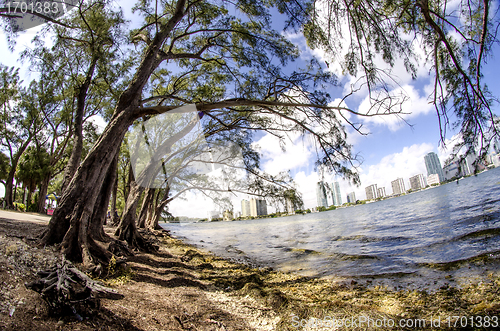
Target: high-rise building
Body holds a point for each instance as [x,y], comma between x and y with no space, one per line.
[213,214]
[371,192]
[336,197]
[462,166]
[398,186]
[381,192]
[258,207]
[433,165]
[321,197]
[433,179]
[417,182]
[351,197]
[245,208]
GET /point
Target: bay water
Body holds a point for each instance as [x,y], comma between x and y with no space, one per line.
[446,234]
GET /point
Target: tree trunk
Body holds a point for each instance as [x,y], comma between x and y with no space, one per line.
[100,211]
[9,188]
[127,229]
[114,216]
[42,189]
[130,179]
[152,222]
[9,183]
[30,195]
[70,223]
[146,208]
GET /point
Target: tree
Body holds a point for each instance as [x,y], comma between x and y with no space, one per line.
[4,167]
[87,84]
[18,124]
[33,168]
[52,132]
[210,160]
[201,41]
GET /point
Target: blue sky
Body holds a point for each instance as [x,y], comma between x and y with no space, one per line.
[392,149]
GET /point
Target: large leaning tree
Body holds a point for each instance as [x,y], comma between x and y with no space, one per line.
[241,61]
[226,58]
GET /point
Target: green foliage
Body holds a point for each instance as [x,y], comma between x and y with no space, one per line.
[4,166]
[20,206]
[457,41]
[33,167]
[117,275]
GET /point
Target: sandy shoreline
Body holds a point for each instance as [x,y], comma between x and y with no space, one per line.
[185,288]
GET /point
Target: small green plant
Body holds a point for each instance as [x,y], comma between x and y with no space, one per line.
[117,275]
[19,206]
[112,266]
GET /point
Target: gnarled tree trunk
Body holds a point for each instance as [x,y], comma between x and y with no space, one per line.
[127,229]
[114,216]
[146,208]
[42,193]
[70,223]
[9,182]
[152,222]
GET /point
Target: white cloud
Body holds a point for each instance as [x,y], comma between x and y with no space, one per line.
[307,187]
[298,153]
[194,204]
[446,149]
[404,164]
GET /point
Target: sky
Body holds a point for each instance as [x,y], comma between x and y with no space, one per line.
[390,149]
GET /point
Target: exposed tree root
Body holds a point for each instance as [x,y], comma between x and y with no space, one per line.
[68,291]
[134,239]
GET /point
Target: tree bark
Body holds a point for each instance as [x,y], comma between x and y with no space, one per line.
[114,216]
[70,223]
[152,222]
[146,208]
[9,182]
[127,229]
[42,189]
[100,211]
[28,201]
